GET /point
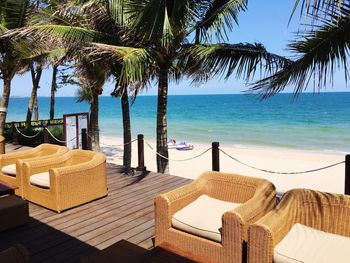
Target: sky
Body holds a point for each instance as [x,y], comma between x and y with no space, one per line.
[265,22]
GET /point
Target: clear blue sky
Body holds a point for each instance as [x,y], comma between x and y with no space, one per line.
[264,21]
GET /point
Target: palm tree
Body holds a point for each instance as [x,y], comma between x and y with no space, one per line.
[91,78]
[122,92]
[13,14]
[53,90]
[167,40]
[36,70]
[167,28]
[321,50]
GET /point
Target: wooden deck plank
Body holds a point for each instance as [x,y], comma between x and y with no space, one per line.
[126,213]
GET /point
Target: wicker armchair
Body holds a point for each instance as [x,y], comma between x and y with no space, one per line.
[256,196]
[15,254]
[67,181]
[11,163]
[322,211]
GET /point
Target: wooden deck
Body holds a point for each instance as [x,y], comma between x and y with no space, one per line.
[126,213]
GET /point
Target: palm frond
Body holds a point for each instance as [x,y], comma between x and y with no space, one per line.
[134,64]
[320,53]
[226,59]
[52,54]
[116,9]
[14,13]
[148,18]
[69,34]
[168,36]
[219,16]
[316,7]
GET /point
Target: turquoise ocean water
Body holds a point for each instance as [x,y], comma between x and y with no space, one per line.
[312,122]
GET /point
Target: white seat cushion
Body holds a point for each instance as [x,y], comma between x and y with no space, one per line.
[309,245]
[203,217]
[41,179]
[9,170]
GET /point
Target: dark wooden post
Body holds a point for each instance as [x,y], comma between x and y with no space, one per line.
[14,134]
[347,174]
[215,156]
[141,153]
[46,134]
[84,139]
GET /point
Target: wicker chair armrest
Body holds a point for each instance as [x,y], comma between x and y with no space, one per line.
[268,231]
[281,219]
[64,177]
[259,205]
[166,205]
[33,166]
[11,158]
[78,168]
[182,196]
[248,213]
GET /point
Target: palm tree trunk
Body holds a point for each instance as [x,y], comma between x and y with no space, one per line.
[32,101]
[162,128]
[5,100]
[95,133]
[36,108]
[53,91]
[126,128]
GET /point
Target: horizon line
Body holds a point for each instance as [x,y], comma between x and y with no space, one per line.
[191,94]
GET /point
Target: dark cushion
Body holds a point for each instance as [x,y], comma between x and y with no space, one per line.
[14,212]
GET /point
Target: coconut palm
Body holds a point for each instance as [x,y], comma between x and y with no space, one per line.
[53,90]
[36,70]
[13,14]
[167,28]
[320,51]
[92,78]
[122,92]
[168,40]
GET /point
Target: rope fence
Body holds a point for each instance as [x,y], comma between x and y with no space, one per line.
[215,152]
[115,145]
[28,136]
[43,129]
[215,156]
[216,161]
[278,172]
[190,158]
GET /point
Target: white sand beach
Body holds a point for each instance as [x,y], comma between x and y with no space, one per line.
[329,180]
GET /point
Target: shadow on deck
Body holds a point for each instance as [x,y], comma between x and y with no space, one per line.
[126,213]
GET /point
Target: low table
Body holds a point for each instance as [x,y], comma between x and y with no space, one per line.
[124,251]
[14,211]
[7,189]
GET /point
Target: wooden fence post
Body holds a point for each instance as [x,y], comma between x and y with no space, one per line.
[215,156]
[84,139]
[141,153]
[14,134]
[347,174]
[46,134]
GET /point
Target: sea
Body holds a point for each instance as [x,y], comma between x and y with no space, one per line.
[315,122]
